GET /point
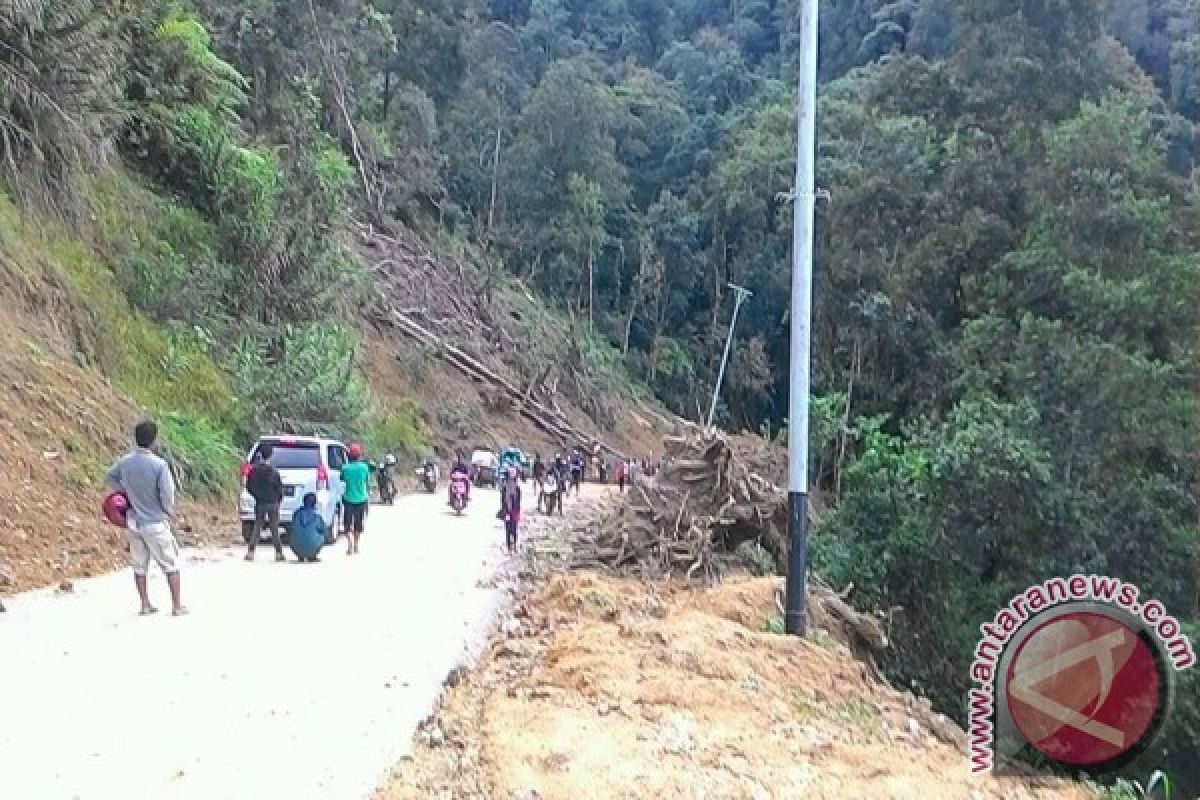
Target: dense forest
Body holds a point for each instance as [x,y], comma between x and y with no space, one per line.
[1007,262]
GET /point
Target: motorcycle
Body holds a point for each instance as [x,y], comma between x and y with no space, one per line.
[458,492]
[428,477]
[387,486]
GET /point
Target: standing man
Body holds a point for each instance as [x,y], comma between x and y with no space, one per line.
[265,485]
[356,478]
[146,479]
[539,474]
[577,471]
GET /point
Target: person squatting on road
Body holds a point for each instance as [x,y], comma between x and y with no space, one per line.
[308,530]
[146,480]
[356,482]
[510,507]
[265,485]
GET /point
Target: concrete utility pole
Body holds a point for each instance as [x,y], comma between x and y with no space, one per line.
[804,212]
[742,294]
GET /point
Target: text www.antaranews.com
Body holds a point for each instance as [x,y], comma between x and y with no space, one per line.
[1036,599]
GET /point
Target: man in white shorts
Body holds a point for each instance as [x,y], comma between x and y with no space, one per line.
[148,482]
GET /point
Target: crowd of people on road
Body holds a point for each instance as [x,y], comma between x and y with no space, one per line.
[142,500]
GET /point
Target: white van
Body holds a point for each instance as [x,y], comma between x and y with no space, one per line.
[306,464]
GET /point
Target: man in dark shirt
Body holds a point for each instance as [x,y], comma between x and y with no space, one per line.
[265,485]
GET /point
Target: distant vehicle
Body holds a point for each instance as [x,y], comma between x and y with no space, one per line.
[513,457]
[306,464]
[484,465]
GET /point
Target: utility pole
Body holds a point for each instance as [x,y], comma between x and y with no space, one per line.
[804,211]
[742,294]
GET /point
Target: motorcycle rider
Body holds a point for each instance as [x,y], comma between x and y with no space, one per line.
[459,468]
[387,485]
[430,467]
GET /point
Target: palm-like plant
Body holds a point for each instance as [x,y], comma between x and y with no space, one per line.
[60,62]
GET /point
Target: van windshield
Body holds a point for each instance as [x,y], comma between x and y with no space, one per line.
[296,455]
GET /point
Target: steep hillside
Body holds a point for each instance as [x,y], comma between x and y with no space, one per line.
[492,361]
[78,366]
[81,364]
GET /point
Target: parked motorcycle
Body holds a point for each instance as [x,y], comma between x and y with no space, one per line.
[458,492]
[387,484]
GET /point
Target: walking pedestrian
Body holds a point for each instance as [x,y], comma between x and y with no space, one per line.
[265,485]
[511,506]
[622,468]
[356,478]
[146,480]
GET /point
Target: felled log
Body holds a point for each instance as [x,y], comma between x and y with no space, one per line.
[550,420]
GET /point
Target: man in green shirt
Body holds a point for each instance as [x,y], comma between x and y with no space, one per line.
[356,481]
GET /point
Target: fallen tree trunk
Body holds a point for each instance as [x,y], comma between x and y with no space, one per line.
[549,420]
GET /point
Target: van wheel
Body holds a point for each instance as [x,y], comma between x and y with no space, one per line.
[247,532]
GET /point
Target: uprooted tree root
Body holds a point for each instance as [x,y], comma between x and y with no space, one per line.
[695,520]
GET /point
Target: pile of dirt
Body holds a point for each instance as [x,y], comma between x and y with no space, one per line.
[60,427]
[604,687]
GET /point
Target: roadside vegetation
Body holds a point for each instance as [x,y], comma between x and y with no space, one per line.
[1006,309]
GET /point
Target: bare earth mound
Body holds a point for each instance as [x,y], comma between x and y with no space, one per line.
[613,688]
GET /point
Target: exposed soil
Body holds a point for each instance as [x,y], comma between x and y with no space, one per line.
[604,688]
[60,427]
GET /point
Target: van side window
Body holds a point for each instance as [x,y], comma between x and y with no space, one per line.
[336,458]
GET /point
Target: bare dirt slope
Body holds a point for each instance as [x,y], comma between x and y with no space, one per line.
[60,426]
[618,689]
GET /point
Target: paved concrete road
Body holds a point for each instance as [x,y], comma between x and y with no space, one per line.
[286,681]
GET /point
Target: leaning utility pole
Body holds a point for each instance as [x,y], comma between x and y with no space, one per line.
[803,209]
[742,294]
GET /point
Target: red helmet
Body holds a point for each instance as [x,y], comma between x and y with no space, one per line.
[115,508]
[356,451]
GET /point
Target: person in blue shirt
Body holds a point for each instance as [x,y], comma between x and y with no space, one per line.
[308,530]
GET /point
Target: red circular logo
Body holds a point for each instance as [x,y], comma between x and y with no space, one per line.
[1085,689]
